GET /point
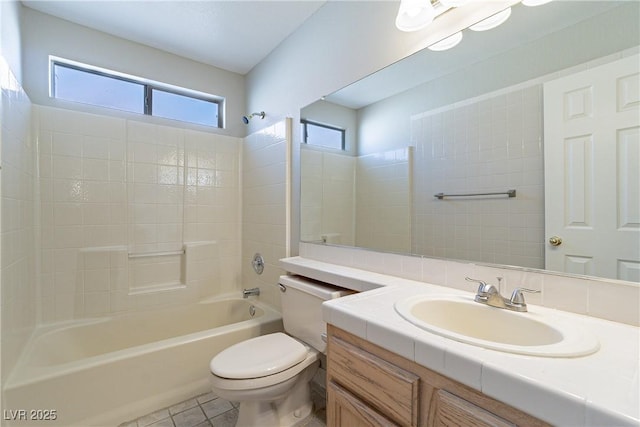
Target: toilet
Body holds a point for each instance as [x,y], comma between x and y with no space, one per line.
[269,375]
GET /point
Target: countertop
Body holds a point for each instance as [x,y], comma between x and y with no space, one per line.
[601,389]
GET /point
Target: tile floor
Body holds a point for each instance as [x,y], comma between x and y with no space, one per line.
[208,410]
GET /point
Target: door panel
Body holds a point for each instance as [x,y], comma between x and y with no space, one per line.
[592,178]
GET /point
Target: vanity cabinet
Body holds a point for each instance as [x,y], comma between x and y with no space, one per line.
[370,386]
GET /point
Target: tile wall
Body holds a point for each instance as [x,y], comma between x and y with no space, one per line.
[357,201]
[487,144]
[112,187]
[383,200]
[19,221]
[264,207]
[609,299]
[327,200]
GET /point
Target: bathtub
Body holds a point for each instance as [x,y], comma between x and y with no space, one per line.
[105,371]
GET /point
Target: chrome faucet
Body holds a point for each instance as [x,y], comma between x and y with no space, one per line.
[490,295]
[252,291]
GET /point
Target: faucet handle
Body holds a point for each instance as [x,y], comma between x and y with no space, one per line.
[518,298]
[483,287]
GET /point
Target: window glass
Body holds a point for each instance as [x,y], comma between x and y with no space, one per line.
[323,135]
[104,88]
[91,88]
[185,108]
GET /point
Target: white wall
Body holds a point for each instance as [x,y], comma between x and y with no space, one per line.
[45,35]
[10,42]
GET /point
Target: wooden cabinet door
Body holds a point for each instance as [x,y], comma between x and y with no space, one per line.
[448,410]
[370,386]
[346,410]
[383,385]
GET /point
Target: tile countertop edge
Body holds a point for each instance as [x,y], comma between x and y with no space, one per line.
[358,323]
[346,277]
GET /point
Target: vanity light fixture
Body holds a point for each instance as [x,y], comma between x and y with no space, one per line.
[447,43]
[492,22]
[414,15]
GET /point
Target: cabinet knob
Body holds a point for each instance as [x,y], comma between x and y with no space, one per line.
[555,241]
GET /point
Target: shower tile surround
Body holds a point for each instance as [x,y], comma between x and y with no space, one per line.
[113,186]
[327,201]
[82,191]
[383,200]
[341,201]
[20,227]
[264,207]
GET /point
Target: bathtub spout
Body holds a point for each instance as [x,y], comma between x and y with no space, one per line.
[252,291]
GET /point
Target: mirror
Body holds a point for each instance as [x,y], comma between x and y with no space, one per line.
[466,120]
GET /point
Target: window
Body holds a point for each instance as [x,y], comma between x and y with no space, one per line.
[322,135]
[102,88]
[181,107]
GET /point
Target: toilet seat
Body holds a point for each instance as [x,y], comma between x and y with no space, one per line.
[255,384]
[258,357]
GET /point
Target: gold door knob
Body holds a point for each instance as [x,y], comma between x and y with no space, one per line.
[555,241]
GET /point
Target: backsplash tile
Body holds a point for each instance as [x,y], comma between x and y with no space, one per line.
[622,297]
[603,298]
[566,293]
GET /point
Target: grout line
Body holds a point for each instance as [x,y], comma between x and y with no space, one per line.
[201,400]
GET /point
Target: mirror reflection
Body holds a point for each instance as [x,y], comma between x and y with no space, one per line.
[519,108]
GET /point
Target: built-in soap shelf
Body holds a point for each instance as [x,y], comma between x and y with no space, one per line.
[156,271]
[126,277]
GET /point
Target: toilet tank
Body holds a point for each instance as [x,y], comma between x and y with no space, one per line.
[301,300]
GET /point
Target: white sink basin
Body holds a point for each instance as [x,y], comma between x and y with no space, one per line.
[537,332]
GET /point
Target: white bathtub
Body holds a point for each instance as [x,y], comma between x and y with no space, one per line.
[106,371]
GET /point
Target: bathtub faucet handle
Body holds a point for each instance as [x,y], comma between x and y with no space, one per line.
[258,263]
[253,291]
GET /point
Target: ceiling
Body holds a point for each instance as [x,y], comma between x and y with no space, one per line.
[232,35]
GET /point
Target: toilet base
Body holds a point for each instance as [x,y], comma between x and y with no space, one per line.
[288,411]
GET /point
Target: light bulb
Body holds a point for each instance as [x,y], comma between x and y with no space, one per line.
[414,15]
[413,12]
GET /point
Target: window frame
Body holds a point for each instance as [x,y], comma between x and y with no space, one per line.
[148,87]
[305,134]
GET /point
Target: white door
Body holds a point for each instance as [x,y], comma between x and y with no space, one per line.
[592,179]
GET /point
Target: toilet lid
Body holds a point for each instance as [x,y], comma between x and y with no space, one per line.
[258,357]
